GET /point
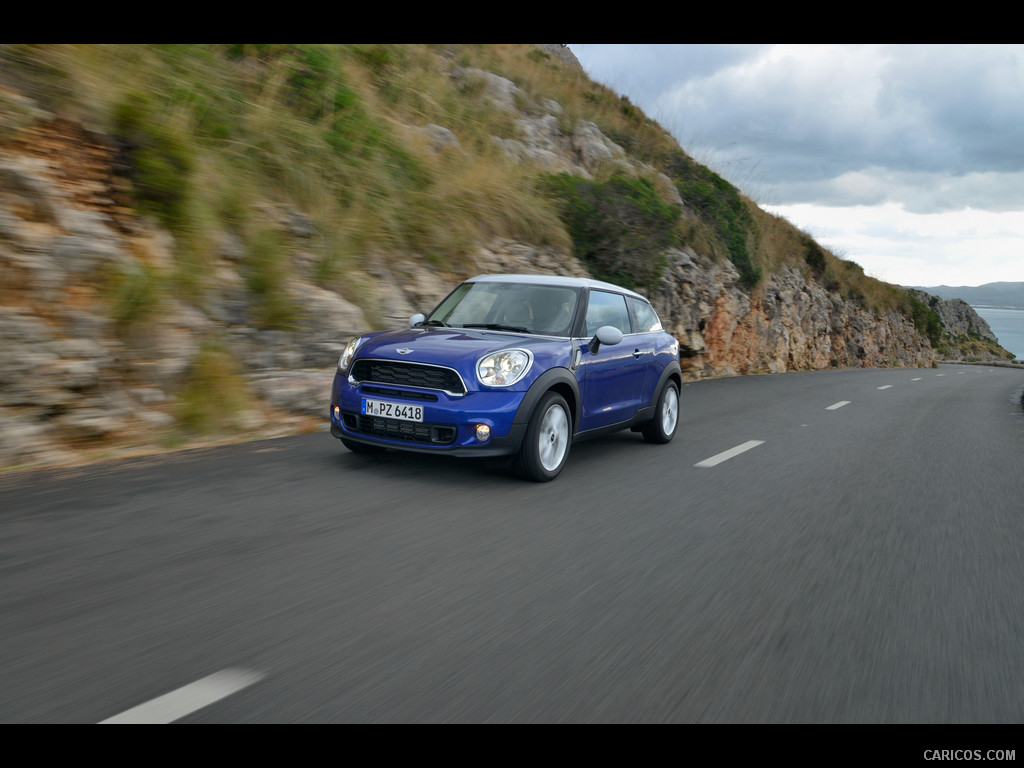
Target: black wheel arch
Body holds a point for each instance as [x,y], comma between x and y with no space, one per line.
[560,380]
[672,371]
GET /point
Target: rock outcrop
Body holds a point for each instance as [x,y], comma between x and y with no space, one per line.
[787,323]
[957,315]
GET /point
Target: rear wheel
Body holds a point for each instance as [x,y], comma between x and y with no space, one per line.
[546,444]
[662,428]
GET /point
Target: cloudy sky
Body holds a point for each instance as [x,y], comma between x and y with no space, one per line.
[907,159]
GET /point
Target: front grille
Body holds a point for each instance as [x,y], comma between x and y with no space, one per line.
[408,394]
[408,375]
[394,429]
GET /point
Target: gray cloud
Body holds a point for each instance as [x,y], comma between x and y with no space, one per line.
[932,127]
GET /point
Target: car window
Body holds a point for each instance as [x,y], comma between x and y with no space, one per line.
[607,309]
[472,302]
[646,318]
[545,309]
[552,309]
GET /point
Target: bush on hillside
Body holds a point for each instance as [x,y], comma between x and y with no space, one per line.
[620,228]
[719,203]
[158,162]
[926,320]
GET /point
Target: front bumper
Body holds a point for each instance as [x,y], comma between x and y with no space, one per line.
[496,446]
[449,424]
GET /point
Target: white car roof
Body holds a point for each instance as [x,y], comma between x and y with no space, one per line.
[575,282]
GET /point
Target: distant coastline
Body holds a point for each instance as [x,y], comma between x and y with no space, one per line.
[1002,295]
[1007,323]
[1001,305]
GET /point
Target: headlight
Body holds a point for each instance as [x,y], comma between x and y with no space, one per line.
[503,369]
[346,356]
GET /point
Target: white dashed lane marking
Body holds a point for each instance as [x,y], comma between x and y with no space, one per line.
[186,700]
[718,458]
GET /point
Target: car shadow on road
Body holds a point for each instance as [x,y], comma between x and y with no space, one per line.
[588,455]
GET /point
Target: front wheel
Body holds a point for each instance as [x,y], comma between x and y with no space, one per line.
[662,428]
[546,444]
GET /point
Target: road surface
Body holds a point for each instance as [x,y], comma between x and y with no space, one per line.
[822,547]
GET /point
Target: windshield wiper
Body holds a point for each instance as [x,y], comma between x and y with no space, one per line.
[497,327]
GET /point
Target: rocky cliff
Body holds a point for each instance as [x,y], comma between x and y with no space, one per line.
[78,380]
[957,316]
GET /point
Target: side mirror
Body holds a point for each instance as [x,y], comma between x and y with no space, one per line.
[416,319]
[606,334]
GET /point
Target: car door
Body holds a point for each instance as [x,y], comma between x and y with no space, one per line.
[612,379]
[647,330]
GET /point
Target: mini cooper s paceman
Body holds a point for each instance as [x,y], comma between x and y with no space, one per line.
[511,365]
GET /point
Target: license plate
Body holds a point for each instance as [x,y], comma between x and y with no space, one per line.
[392,410]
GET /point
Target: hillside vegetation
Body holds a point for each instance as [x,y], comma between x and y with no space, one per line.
[207,132]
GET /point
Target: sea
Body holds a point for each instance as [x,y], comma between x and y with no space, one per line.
[1007,325]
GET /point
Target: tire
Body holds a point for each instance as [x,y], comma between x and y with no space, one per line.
[546,444]
[355,447]
[662,428]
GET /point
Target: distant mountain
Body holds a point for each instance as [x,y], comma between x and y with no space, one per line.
[1007,295]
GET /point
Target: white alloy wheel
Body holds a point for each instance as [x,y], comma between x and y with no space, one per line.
[553,437]
[669,411]
[662,428]
[548,438]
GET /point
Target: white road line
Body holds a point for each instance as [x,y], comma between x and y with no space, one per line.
[186,700]
[840,404]
[887,386]
[917,379]
[940,374]
[726,455]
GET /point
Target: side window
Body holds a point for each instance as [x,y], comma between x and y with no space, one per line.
[607,309]
[646,318]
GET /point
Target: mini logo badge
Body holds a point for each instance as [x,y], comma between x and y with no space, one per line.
[403,350]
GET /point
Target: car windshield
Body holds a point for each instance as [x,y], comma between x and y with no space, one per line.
[520,307]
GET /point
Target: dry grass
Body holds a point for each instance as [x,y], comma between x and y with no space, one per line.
[215,392]
[326,130]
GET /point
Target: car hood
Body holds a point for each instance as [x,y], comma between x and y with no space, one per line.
[455,347]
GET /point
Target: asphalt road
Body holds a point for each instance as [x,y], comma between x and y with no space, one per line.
[825,547]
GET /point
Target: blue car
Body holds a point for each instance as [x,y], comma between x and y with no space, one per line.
[511,365]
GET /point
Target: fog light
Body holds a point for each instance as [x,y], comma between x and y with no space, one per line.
[483,433]
[337,413]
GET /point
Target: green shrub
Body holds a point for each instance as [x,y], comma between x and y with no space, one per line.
[159,162]
[376,56]
[266,275]
[213,393]
[307,89]
[620,228]
[134,294]
[814,256]
[719,203]
[926,320]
